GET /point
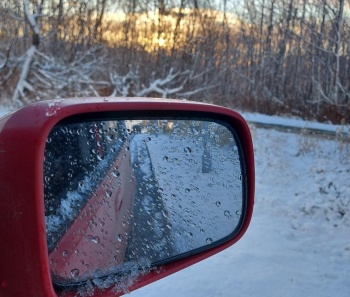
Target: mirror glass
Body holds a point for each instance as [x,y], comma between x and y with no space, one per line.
[137,193]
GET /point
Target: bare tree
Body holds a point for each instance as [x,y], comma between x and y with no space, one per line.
[23,84]
[265,55]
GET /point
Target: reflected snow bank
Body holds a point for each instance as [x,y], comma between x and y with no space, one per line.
[192,188]
[203,207]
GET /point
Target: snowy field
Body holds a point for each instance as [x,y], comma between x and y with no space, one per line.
[298,243]
[195,214]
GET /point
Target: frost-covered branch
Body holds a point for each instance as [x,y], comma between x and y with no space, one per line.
[122,84]
[159,86]
[43,75]
[22,83]
[196,91]
[32,19]
[5,58]
[171,85]
[318,87]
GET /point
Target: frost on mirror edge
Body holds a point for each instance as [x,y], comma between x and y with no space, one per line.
[123,195]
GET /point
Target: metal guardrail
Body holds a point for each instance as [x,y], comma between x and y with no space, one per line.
[303,130]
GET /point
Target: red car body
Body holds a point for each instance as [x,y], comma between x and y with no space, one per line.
[111,213]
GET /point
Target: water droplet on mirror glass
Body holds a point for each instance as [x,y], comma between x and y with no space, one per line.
[218,203]
[95,239]
[120,237]
[187,150]
[187,190]
[64,253]
[148,139]
[209,240]
[238,213]
[115,173]
[74,272]
[149,221]
[165,158]
[227,213]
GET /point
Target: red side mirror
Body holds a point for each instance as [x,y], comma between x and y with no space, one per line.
[108,195]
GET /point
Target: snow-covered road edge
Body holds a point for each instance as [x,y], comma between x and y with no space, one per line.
[294,123]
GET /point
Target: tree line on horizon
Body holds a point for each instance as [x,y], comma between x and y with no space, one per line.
[268,56]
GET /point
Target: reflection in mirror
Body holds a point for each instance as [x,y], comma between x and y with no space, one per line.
[126,194]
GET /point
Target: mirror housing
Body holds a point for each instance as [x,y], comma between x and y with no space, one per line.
[24,265]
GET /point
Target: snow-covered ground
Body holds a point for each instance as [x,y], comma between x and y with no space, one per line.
[298,243]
